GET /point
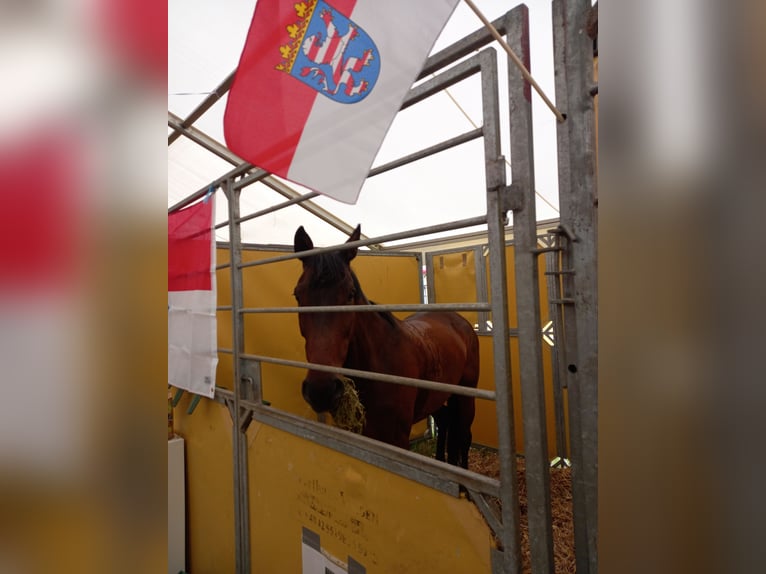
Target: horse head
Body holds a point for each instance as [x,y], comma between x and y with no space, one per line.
[326,279]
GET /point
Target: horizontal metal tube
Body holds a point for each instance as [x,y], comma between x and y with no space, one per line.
[372,308]
[395,379]
[429,151]
[473,221]
[471,43]
[254,177]
[223,266]
[398,460]
[224,308]
[428,88]
[200,193]
[279,206]
[206,104]
[226,351]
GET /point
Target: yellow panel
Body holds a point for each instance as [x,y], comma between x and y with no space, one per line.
[389,279]
[384,522]
[209,485]
[455,281]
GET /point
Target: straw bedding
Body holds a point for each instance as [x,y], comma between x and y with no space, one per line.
[485,461]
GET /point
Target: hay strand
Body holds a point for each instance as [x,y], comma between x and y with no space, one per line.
[350,414]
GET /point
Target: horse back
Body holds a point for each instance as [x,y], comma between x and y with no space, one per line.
[449,353]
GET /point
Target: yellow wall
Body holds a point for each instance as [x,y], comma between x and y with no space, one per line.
[385,522]
[454,280]
[295,483]
[209,485]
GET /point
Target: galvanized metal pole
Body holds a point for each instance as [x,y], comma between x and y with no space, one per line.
[554,271]
[573,51]
[496,219]
[239,442]
[537,467]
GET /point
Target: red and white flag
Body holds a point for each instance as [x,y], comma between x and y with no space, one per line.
[192,340]
[320,81]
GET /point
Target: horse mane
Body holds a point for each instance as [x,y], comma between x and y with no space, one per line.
[329,268]
[387,315]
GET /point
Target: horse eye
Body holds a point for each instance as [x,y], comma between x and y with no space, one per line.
[351,295]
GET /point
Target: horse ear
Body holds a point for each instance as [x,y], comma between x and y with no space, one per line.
[302,241]
[349,254]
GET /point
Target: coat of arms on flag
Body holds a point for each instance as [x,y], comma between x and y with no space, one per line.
[362,56]
[330,53]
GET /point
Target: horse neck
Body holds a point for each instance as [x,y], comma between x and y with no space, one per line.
[369,330]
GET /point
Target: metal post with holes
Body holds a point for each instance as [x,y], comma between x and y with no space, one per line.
[510,557]
[537,469]
[239,442]
[573,55]
[553,273]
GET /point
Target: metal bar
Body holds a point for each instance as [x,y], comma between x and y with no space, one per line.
[537,469]
[381,239]
[241,514]
[482,288]
[206,104]
[573,56]
[488,512]
[552,262]
[395,379]
[200,138]
[321,213]
[582,220]
[453,75]
[430,277]
[244,499]
[279,206]
[430,472]
[523,67]
[200,193]
[409,307]
[541,250]
[225,351]
[224,308]
[249,179]
[429,151]
[471,43]
[495,179]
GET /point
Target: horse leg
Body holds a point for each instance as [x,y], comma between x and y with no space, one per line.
[442,419]
[462,410]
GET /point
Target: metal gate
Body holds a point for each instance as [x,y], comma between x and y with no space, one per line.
[574,246]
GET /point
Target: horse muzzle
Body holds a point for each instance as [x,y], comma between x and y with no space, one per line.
[322,396]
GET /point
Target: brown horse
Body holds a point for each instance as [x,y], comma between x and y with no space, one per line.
[436,346]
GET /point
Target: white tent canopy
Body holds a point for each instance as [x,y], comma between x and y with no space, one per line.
[205,39]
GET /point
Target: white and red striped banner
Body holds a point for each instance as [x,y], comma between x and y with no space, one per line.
[320,81]
[192,339]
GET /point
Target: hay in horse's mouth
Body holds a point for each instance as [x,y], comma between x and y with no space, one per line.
[349,413]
